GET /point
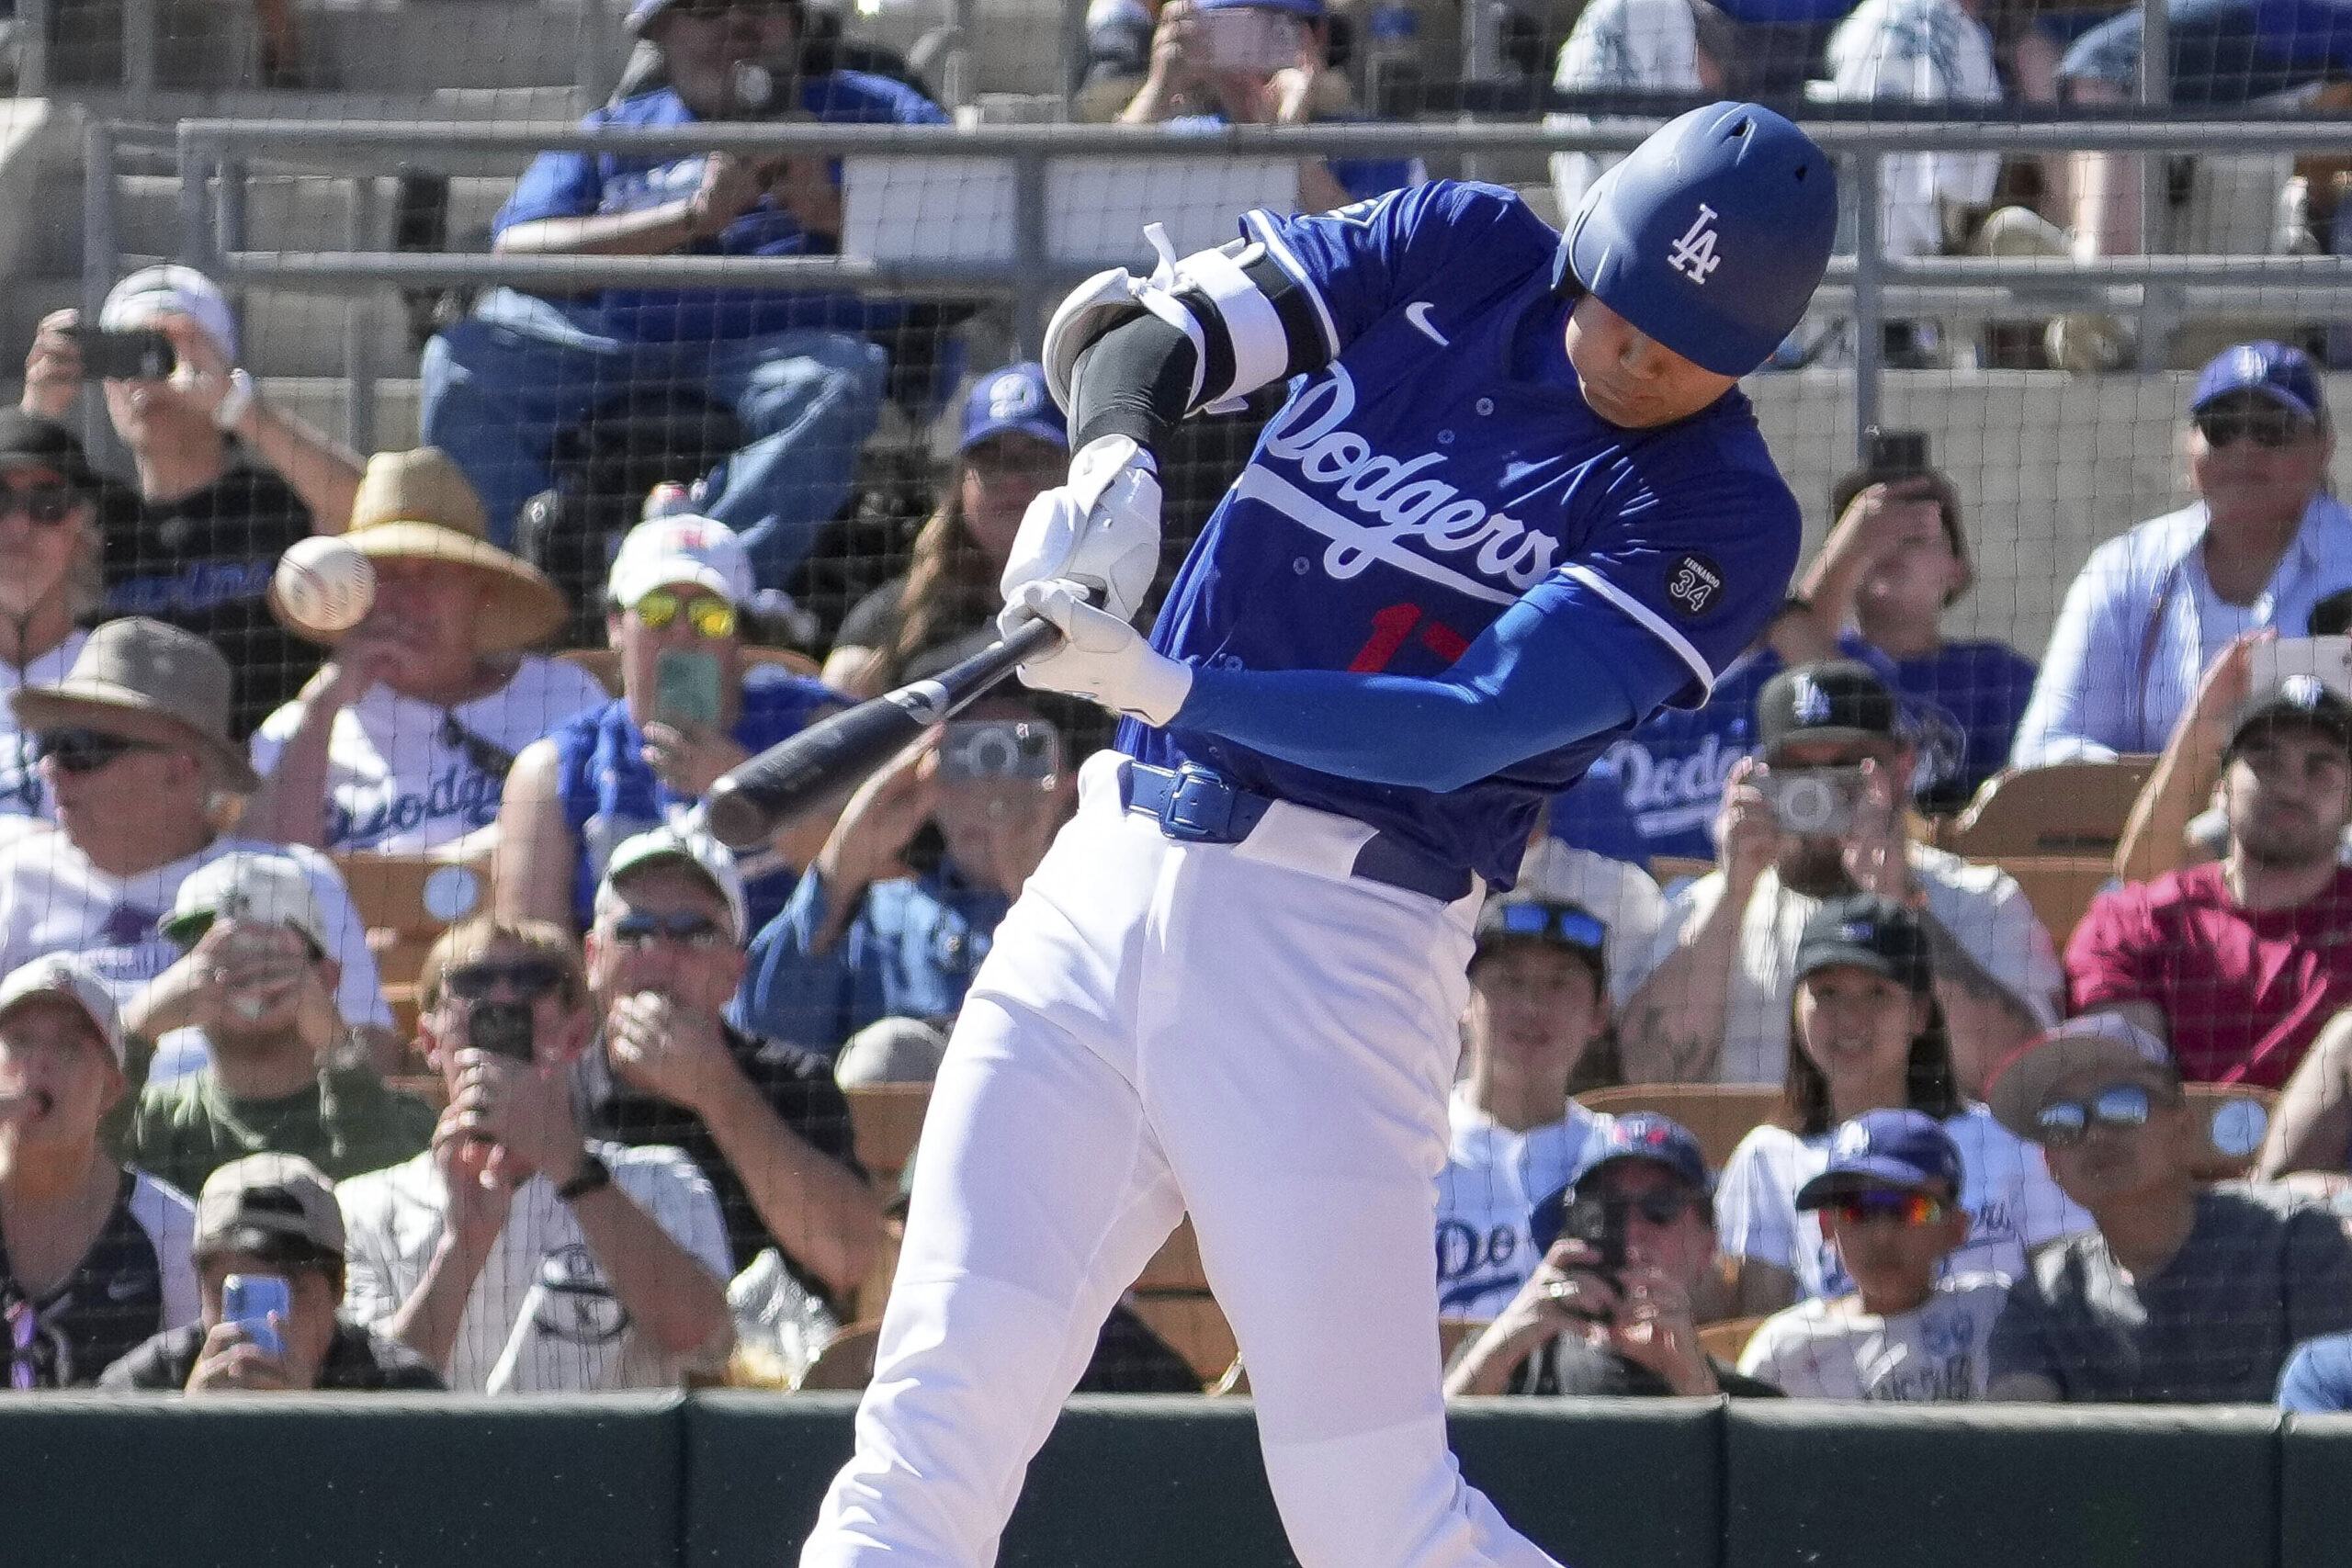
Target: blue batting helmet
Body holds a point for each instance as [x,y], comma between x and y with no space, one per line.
[1710,236]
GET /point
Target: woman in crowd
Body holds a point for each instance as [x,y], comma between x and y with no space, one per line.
[401,742]
[2264,543]
[1870,1036]
[1014,444]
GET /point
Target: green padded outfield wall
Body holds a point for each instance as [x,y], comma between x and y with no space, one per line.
[733,1479]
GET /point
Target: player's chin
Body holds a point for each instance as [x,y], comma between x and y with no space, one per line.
[1627,411]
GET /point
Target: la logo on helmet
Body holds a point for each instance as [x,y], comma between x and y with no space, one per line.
[1694,255]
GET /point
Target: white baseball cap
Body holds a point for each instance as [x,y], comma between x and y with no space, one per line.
[695,850]
[257,889]
[63,974]
[152,290]
[682,548]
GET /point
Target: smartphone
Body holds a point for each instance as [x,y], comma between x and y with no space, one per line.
[685,687]
[1252,38]
[1813,803]
[1895,454]
[502,1029]
[144,354]
[2329,657]
[1001,748]
[1599,1221]
[248,1300]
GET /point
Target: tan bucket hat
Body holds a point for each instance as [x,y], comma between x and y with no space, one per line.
[420,506]
[153,681]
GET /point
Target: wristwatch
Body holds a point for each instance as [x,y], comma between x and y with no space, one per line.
[592,1174]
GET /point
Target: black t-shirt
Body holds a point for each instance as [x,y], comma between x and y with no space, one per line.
[1573,1365]
[203,563]
[112,1301]
[798,1087]
[356,1360]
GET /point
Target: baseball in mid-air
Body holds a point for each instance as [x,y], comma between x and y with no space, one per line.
[324,584]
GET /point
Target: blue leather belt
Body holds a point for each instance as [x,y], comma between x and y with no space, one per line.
[1197,806]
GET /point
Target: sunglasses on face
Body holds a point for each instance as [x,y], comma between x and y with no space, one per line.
[1660,1205]
[1909,1209]
[528,979]
[2270,428]
[1573,926]
[711,616]
[85,751]
[2064,1121]
[685,928]
[46,504]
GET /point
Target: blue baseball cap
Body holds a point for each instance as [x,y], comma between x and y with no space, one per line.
[1304,10]
[1905,1149]
[1637,1135]
[1013,399]
[2283,375]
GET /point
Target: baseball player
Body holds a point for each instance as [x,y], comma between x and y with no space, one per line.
[1513,505]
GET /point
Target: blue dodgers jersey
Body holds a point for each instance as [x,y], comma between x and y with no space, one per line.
[1412,489]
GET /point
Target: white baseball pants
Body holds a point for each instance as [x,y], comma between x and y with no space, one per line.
[1244,1031]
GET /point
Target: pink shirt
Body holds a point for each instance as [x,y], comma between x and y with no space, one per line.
[2245,990]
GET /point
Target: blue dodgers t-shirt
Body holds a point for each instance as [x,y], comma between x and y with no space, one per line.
[1419,485]
[1965,698]
[578,185]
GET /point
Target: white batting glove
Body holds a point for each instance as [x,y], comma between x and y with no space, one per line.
[1101,657]
[1100,530]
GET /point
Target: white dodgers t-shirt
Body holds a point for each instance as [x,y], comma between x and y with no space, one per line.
[53,900]
[1493,1179]
[542,1318]
[402,776]
[1834,1349]
[2012,1204]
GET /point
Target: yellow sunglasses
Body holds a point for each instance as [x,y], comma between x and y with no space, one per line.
[711,616]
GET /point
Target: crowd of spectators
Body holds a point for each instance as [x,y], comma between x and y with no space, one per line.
[624,1096]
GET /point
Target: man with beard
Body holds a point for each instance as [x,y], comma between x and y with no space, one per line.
[2239,963]
[1820,816]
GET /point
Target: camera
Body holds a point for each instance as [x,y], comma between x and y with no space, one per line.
[1813,803]
[1001,748]
[1895,454]
[141,355]
[502,1029]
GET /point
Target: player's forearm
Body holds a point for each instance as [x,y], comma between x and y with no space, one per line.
[1134,380]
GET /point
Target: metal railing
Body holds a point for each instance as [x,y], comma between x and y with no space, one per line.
[214,157]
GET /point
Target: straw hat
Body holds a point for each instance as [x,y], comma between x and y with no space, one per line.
[419,506]
[151,681]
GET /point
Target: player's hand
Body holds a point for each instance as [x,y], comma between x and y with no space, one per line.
[1101,657]
[1099,529]
[1876,851]
[53,366]
[1747,836]
[689,757]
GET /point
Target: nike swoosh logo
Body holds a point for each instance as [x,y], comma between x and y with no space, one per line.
[1418,312]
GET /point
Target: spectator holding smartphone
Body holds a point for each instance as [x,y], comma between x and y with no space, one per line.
[1907,1332]
[1868,1034]
[1895,560]
[1820,817]
[226,481]
[517,1255]
[402,742]
[902,904]
[1610,1311]
[256,978]
[270,1217]
[94,1255]
[691,707]
[1258,62]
